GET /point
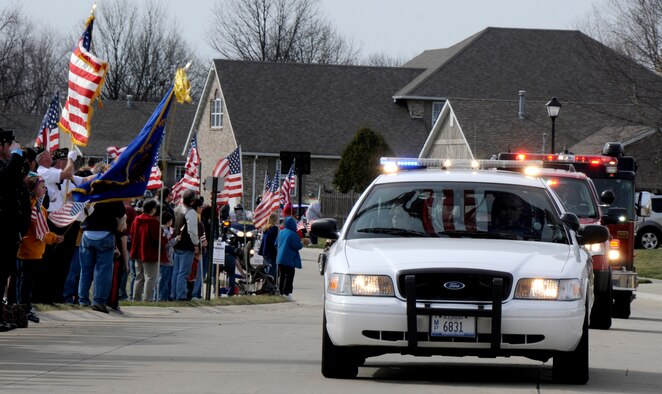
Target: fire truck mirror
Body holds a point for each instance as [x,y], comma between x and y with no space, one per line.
[607,197]
[644,204]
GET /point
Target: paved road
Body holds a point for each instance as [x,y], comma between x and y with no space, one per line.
[276,349]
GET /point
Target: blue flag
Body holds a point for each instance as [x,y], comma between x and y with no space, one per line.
[129,174]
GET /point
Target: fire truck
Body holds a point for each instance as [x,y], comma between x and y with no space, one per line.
[613,175]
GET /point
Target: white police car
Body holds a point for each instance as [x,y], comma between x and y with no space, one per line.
[461,262]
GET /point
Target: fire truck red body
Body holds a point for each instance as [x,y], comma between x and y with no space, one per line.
[613,175]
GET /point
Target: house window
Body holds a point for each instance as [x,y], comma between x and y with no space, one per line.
[216,111]
[436,110]
[179,172]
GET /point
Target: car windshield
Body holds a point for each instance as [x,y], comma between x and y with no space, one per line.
[575,195]
[458,210]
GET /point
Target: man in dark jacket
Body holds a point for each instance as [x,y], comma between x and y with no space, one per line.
[11,180]
[97,248]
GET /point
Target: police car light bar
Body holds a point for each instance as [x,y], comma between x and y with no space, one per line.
[394,164]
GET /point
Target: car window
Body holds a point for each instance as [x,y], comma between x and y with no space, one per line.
[575,195]
[657,204]
[457,210]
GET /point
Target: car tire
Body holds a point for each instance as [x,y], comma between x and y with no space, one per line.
[602,308]
[648,238]
[622,302]
[572,367]
[337,362]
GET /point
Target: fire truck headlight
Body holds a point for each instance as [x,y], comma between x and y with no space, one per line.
[614,255]
[622,219]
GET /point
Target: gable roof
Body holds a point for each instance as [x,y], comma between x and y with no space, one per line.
[277,107]
[116,124]
[498,62]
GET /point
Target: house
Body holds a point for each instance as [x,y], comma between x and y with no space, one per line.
[117,123]
[267,108]
[482,96]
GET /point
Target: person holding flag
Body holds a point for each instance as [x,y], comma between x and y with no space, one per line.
[31,251]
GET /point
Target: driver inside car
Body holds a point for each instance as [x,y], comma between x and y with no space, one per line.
[509,214]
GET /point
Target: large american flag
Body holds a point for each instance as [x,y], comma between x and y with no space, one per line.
[266,206]
[229,168]
[86,77]
[39,220]
[68,214]
[49,133]
[288,186]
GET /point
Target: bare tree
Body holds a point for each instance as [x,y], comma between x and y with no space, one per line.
[384,60]
[30,61]
[632,28]
[277,31]
[144,48]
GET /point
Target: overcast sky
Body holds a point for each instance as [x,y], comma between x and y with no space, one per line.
[398,28]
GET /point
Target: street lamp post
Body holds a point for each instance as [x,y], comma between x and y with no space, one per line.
[553,109]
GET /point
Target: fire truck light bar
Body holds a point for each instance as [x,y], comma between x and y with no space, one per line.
[610,163]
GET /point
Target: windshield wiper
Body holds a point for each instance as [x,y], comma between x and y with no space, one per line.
[393,231]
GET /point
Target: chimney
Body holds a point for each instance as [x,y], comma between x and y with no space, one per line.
[129,100]
[520,113]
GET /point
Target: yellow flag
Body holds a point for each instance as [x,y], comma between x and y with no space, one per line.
[182,87]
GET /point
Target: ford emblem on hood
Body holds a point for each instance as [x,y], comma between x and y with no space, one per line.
[454,285]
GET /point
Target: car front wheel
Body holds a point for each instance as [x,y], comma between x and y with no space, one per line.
[338,362]
[572,367]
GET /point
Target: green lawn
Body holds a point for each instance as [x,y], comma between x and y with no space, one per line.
[648,263]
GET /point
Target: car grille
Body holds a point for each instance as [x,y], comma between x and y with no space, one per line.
[455,285]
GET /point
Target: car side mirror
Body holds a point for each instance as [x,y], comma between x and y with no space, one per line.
[607,197]
[570,220]
[325,228]
[593,234]
[644,204]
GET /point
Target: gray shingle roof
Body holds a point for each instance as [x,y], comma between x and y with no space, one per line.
[115,124]
[498,62]
[277,107]
[492,126]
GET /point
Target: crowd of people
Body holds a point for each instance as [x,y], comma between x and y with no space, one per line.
[144,249]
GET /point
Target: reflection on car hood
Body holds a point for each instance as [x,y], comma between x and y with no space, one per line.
[387,255]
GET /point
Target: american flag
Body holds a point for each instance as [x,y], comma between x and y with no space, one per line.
[229,168]
[288,186]
[114,152]
[266,206]
[86,77]
[191,179]
[68,214]
[39,220]
[49,133]
[155,181]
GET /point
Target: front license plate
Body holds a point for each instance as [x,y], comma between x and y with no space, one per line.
[453,326]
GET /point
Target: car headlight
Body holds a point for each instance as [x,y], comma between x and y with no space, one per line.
[596,249]
[549,289]
[249,234]
[240,234]
[361,285]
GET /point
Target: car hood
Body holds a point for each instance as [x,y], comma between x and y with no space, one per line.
[388,255]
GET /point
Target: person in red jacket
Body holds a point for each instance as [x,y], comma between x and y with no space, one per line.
[145,233]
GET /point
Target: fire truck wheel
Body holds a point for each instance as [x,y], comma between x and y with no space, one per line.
[648,238]
[622,301]
[572,367]
[602,309]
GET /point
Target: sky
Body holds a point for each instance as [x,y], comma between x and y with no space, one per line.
[397,28]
